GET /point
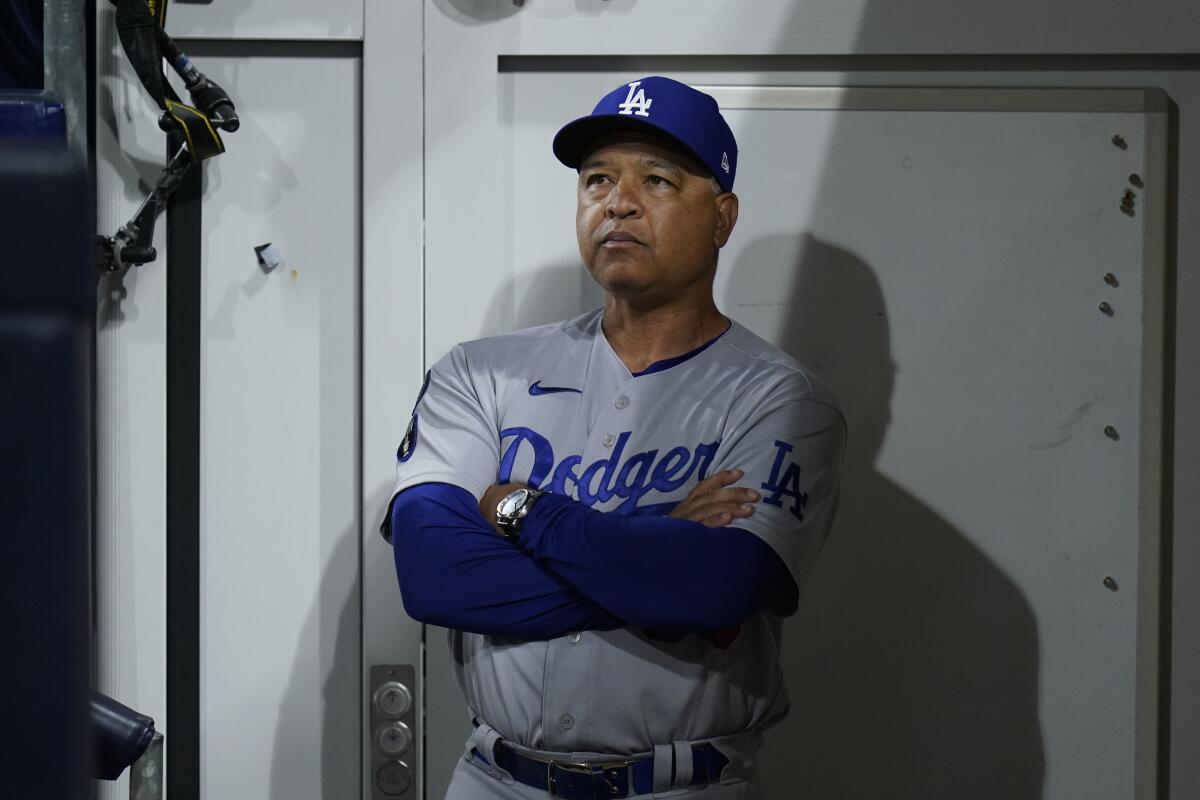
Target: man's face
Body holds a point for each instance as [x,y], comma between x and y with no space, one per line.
[649,219]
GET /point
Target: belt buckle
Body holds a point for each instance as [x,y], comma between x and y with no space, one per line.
[609,771]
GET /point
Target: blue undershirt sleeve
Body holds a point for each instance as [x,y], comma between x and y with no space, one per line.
[457,572]
[659,573]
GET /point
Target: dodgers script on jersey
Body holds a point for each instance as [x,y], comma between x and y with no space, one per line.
[555,408]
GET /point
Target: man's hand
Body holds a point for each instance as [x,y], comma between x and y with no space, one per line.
[492,497]
[713,502]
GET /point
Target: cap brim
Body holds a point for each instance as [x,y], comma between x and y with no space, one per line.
[575,139]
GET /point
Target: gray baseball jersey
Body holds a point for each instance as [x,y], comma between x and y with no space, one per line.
[554,407]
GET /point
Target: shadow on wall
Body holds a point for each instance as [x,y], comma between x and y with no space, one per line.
[317,744]
[326,665]
[912,663]
[549,294]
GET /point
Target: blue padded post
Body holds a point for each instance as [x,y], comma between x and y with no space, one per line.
[47,300]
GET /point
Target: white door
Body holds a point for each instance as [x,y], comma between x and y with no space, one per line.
[279,564]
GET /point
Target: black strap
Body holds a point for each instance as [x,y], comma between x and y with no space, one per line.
[138,30]
[139,26]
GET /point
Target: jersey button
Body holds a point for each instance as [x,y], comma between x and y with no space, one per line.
[608,440]
[567,722]
[573,638]
[622,401]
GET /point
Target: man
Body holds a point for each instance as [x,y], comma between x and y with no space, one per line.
[613,513]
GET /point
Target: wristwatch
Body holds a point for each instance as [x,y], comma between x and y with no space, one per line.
[512,510]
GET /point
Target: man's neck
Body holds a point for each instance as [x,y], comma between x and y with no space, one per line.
[641,336]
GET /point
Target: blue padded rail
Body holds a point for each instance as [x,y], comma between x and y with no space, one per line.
[31,114]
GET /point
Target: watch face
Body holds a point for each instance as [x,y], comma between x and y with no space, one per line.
[512,504]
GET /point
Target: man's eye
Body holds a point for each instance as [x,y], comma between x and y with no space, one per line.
[592,180]
[657,180]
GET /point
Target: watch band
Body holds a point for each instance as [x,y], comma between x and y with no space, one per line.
[509,522]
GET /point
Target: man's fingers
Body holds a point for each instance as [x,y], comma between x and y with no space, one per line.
[735,510]
[701,492]
[720,519]
[716,481]
[732,494]
[714,516]
[714,496]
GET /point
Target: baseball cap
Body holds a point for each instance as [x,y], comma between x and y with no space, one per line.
[659,105]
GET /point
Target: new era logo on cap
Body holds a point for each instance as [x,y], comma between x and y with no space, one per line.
[672,109]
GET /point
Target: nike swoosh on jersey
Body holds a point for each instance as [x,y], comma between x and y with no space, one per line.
[536,389]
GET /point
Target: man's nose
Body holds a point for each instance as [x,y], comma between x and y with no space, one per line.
[623,201]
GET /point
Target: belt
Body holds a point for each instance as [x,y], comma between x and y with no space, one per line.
[589,780]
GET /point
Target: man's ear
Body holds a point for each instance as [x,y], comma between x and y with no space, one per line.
[727,214]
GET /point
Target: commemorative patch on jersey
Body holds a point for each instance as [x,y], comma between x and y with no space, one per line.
[409,443]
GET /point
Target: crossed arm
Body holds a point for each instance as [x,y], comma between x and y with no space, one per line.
[579,569]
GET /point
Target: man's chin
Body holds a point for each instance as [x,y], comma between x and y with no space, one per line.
[624,286]
[621,275]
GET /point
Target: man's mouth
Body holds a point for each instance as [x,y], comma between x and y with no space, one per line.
[619,239]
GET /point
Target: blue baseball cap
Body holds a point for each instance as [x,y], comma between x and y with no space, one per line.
[662,106]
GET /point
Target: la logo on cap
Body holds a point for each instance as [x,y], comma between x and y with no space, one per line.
[636,103]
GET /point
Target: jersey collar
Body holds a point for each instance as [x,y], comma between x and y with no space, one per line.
[658,366]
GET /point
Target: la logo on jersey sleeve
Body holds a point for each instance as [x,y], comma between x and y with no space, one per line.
[785,482]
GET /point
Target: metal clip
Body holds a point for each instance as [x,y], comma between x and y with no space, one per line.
[584,768]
